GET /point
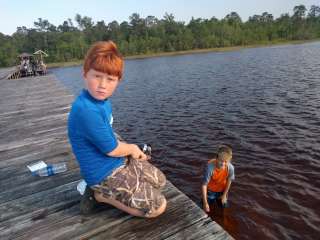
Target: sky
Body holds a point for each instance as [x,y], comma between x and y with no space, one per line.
[17,13]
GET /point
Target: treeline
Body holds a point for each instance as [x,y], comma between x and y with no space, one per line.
[69,42]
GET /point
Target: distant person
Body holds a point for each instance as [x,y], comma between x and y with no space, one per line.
[219,173]
[116,172]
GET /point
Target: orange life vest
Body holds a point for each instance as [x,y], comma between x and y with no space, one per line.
[218,180]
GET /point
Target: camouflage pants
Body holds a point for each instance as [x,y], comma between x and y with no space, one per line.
[136,184]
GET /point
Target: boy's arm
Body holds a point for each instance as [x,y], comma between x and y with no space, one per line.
[231,177]
[204,187]
[205,204]
[225,192]
[125,149]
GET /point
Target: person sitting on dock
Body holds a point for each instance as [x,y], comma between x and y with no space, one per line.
[117,173]
[219,174]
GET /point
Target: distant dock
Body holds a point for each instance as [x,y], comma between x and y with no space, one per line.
[33,116]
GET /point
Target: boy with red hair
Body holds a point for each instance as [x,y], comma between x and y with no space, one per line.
[116,172]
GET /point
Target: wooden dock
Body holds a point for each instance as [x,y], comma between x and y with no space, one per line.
[33,115]
[6,72]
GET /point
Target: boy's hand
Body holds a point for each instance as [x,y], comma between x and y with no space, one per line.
[223,199]
[206,207]
[138,154]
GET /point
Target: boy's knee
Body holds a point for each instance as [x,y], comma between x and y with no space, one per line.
[161,209]
[99,197]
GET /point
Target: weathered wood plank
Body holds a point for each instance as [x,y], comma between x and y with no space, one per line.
[20,115]
[44,226]
[13,175]
[173,220]
[28,111]
[28,104]
[21,225]
[49,198]
[38,134]
[34,185]
[34,95]
[205,229]
[39,131]
[73,224]
[4,72]
[33,152]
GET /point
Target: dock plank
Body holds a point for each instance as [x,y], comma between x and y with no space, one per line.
[33,118]
[5,72]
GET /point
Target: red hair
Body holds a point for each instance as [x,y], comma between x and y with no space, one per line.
[104,57]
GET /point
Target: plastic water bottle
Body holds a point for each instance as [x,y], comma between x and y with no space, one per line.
[81,187]
[145,148]
[52,169]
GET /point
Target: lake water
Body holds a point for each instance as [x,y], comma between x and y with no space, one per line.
[265,102]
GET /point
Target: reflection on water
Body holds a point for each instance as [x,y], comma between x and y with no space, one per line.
[225,218]
[265,102]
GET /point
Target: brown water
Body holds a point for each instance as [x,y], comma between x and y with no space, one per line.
[265,102]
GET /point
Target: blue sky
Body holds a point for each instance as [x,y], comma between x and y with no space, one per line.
[15,13]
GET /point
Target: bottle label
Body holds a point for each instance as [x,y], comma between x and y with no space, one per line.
[50,170]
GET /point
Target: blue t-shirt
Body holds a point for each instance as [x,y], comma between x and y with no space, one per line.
[92,137]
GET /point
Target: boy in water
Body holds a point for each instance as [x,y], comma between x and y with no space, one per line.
[217,178]
[116,172]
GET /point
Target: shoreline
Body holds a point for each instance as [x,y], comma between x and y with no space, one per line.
[185,52]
